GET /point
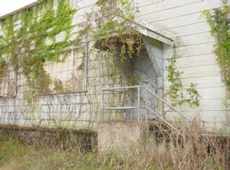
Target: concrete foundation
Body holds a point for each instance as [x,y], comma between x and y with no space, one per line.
[119,136]
[84,140]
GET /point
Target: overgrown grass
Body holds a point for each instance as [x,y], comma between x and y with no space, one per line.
[17,156]
[191,154]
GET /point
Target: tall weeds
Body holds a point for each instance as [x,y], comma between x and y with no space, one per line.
[187,150]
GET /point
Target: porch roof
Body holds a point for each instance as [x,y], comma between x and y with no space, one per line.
[154,32]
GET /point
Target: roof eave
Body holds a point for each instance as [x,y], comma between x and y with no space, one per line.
[18,10]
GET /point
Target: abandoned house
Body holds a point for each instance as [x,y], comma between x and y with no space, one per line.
[55,73]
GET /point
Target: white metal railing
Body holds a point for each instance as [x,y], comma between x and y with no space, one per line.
[135,108]
[140,110]
[146,113]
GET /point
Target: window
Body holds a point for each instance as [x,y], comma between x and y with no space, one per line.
[67,76]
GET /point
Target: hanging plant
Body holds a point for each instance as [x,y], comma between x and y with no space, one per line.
[126,46]
[114,32]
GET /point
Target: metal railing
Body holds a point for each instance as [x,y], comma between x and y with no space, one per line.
[142,107]
[147,112]
[124,107]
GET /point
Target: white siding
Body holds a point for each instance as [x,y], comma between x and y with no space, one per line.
[195,45]
[195,48]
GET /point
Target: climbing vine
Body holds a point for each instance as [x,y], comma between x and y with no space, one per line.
[44,32]
[178,94]
[114,27]
[114,32]
[32,38]
[40,34]
[218,20]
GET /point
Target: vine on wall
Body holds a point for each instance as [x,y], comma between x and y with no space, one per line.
[130,45]
[219,22]
[178,94]
[34,37]
[114,33]
[36,40]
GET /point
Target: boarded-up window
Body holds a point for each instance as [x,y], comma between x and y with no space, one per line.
[67,76]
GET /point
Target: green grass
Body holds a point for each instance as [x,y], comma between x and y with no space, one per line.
[14,155]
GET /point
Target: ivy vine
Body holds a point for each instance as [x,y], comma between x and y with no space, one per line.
[44,33]
[32,38]
[114,27]
[219,22]
[114,32]
[117,35]
[178,94]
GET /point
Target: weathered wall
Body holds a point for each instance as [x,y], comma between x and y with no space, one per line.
[194,46]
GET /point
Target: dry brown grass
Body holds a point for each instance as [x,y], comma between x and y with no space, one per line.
[187,150]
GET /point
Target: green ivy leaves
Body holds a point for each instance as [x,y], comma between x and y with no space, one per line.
[114,33]
[42,35]
[177,93]
[218,20]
